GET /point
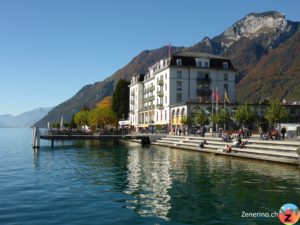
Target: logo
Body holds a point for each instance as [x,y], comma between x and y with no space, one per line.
[289,214]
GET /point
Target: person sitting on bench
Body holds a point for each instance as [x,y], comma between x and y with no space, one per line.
[202,143]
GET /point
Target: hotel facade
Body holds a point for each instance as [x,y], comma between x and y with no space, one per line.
[178,86]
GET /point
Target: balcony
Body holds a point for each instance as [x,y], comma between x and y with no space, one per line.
[160,93]
[159,106]
[160,82]
[151,106]
[132,102]
[151,88]
[132,93]
[203,81]
[151,98]
[205,92]
[131,111]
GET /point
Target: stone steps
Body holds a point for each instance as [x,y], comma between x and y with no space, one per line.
[277,151]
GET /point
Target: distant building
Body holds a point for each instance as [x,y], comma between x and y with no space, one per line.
[175,86]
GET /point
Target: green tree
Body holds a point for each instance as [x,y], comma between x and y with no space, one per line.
[102,117]
[221,117]
[120,101]
[72,122]
[55,124]
[276,113]
[82,118]
[187,120]
[245,114]
[201,118]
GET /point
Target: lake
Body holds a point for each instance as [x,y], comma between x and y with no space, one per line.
[104,183]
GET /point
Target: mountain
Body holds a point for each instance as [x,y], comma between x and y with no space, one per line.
[250,38]
[90,94]
[276,75]
[26,119]
[245,43]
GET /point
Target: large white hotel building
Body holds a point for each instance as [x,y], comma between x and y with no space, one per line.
[176,87]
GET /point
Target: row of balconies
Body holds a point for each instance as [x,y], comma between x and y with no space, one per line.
[149,89]
[149,98]
[149,107]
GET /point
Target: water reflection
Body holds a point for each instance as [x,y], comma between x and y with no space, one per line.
[174,185]
[149,181]
[187,186]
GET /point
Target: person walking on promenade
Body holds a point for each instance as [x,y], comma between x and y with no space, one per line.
[283,131]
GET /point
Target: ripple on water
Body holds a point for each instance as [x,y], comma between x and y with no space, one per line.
[99,183]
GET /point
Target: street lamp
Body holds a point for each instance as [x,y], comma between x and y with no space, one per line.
[260,114]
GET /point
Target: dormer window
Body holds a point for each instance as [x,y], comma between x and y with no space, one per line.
[198,63]
[178,62]
[225,65]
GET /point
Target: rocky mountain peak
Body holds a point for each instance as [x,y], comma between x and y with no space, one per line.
[255,24]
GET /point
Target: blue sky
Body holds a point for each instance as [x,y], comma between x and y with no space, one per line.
[49,49]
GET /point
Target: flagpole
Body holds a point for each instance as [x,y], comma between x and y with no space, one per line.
[217,99]
[224,100]
[212,101]
[217,94]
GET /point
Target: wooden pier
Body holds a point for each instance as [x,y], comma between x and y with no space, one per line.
[36,136]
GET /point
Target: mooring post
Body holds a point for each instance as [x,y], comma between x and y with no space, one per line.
[35,137]
[145,140]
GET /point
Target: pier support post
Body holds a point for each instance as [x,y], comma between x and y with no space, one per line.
[35,137]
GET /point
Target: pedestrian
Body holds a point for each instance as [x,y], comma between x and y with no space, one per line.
[260,131]
[283,131]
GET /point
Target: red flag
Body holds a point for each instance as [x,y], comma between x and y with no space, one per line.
[218,96]
[213,94]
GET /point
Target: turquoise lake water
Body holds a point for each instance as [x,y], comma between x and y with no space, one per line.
[102,183]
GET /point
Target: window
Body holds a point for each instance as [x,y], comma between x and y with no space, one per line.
[179,74]
[166,76]
[178,62]
[225,65]
[166,87]
[165,115]
[292,111]
[203,76]
[226,88]
[206,64]
[198,63]
[200,75]
[179,97]
[166,99]
[225,76]
[179,86]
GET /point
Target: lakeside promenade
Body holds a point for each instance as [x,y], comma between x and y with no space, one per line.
[279,151]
